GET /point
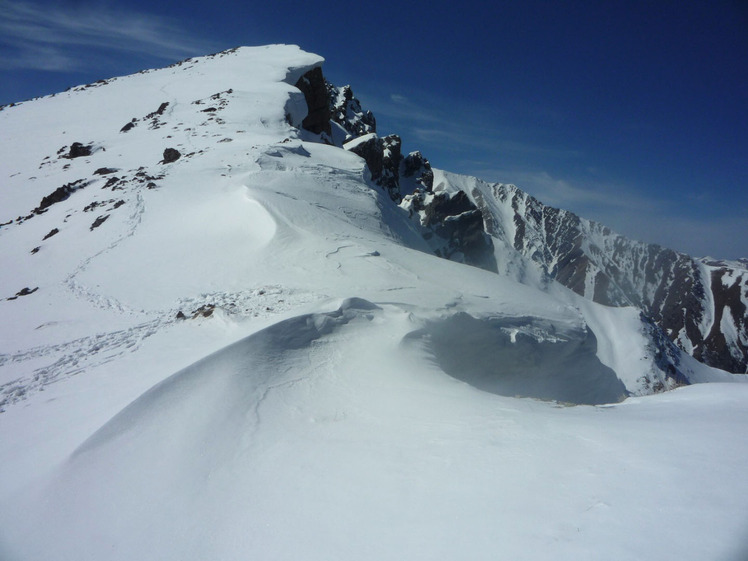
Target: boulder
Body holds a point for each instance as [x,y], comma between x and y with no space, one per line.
[78,150]
[171,155]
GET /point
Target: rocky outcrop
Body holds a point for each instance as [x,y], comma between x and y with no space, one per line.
[452,226]
[418,169]
[726,344]
[667,374]
[382,157]
[314,87]
[60,194]
[346,111]
[78,150]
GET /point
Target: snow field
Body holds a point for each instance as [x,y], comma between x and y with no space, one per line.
[279,417]
[323,436]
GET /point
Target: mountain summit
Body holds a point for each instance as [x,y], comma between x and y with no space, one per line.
[239,323]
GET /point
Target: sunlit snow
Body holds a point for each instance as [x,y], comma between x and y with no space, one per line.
[256,356]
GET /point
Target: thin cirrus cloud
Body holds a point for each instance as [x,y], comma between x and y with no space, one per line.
[627,211]
[469,137]
[435,121]
[569,193]
[59,37]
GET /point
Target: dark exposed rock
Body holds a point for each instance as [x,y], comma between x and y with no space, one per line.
[453,227]
[111,182]
[416,166]
[78,150]
[170,155]
[391,158]
[729,309]
[206,310]
[444,206]
[159,111]
[98,222]
[51,233]
[383,157]
[346,111]
[666,357]
[105,171]
[60,194]
[153,116]
[313,86]
[23,292]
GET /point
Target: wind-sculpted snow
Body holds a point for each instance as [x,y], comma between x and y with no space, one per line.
[238,377]
[175,386]
[321,434]
[522,357]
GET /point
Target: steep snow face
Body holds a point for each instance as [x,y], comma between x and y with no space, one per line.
[222,339]
[687,298]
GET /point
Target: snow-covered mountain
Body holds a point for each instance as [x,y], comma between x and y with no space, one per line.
[237,323]
[702,304]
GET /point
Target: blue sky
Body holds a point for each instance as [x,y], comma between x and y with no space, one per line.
[631,113]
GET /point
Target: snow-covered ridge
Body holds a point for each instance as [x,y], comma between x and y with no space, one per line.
[227,336]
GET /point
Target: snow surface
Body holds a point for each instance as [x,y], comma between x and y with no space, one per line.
[322,397]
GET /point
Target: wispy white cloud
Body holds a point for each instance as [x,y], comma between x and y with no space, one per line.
[60,37]
[473,137]
[462,125]
[626,209]
[397,108]
[695,235]
[568,193]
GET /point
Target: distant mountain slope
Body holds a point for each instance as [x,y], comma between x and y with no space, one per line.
[700,303]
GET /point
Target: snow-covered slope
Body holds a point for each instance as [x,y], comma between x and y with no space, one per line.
[222,338]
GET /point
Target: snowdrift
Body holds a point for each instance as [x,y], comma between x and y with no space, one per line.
[223,339]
